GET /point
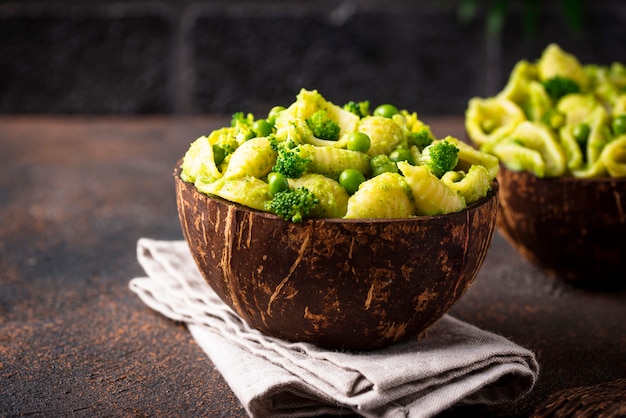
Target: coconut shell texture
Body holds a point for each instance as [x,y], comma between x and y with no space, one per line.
[344,284]
[573,229]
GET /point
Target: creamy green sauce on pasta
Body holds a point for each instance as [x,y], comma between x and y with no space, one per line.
[386,171]
[555,117]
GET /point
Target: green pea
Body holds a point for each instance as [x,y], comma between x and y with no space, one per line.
[402,154]
[351,179]
[385,110]
[554,119]
[262,127]
[581,132]
[218,154]
[271,116]
[389,167]
[358,141]
[276,183]
[619,125]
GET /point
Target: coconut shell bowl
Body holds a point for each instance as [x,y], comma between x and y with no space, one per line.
[342,284]
[573,229]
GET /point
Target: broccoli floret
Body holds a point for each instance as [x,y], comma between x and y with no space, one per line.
[242,124]
[289,162]
[421,138]
[559,86]
[323,127]
[361,109]
[250,128]
[292,122]
[440,157]
[292,204]
[240,118]
[381,163]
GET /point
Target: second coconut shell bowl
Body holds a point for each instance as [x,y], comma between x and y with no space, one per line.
[573,229]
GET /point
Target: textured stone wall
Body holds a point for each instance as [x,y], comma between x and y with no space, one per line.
[132,57]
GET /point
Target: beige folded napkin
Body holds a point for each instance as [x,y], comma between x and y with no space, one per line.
[455,363]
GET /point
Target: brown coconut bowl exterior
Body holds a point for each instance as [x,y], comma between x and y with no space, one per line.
[343,284]
[573,229]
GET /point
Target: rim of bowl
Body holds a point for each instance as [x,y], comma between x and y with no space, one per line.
[491,194]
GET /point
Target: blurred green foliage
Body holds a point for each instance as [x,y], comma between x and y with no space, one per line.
[496,11]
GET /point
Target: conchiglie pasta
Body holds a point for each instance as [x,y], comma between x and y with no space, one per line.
[254,157]
[556,62]
[291,122]
[538,102]
[614,157]
[472,185]
[519,157]
[573,153]
[526,91]
[619,106]
[579,106]
[489,119]
[541,139]
[597,169]
[384,196]
[431,195]
[385,134]
[516,88]
[304,181]
[332,161]
[247,191]
[199,162]
[598,136]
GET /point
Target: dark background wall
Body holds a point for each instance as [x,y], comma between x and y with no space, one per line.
[142,57]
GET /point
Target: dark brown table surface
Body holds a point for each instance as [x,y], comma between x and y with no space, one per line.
[75,196]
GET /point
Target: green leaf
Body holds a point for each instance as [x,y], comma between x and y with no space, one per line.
[573,11]
[530,17]
[496,17]
[467,10]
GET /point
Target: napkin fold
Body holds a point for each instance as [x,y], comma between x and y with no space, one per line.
[454,363]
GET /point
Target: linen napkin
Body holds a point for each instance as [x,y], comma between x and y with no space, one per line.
[454,363]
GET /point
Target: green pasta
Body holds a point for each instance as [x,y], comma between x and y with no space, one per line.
[489,119]
[254,158]
[332,161]
[472,185]
[554,116]
[383,196]
[571,148]
[199,162]
[613,157]
[385,134]
[315,159]
[540,138]
[247,191]
[431,195]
